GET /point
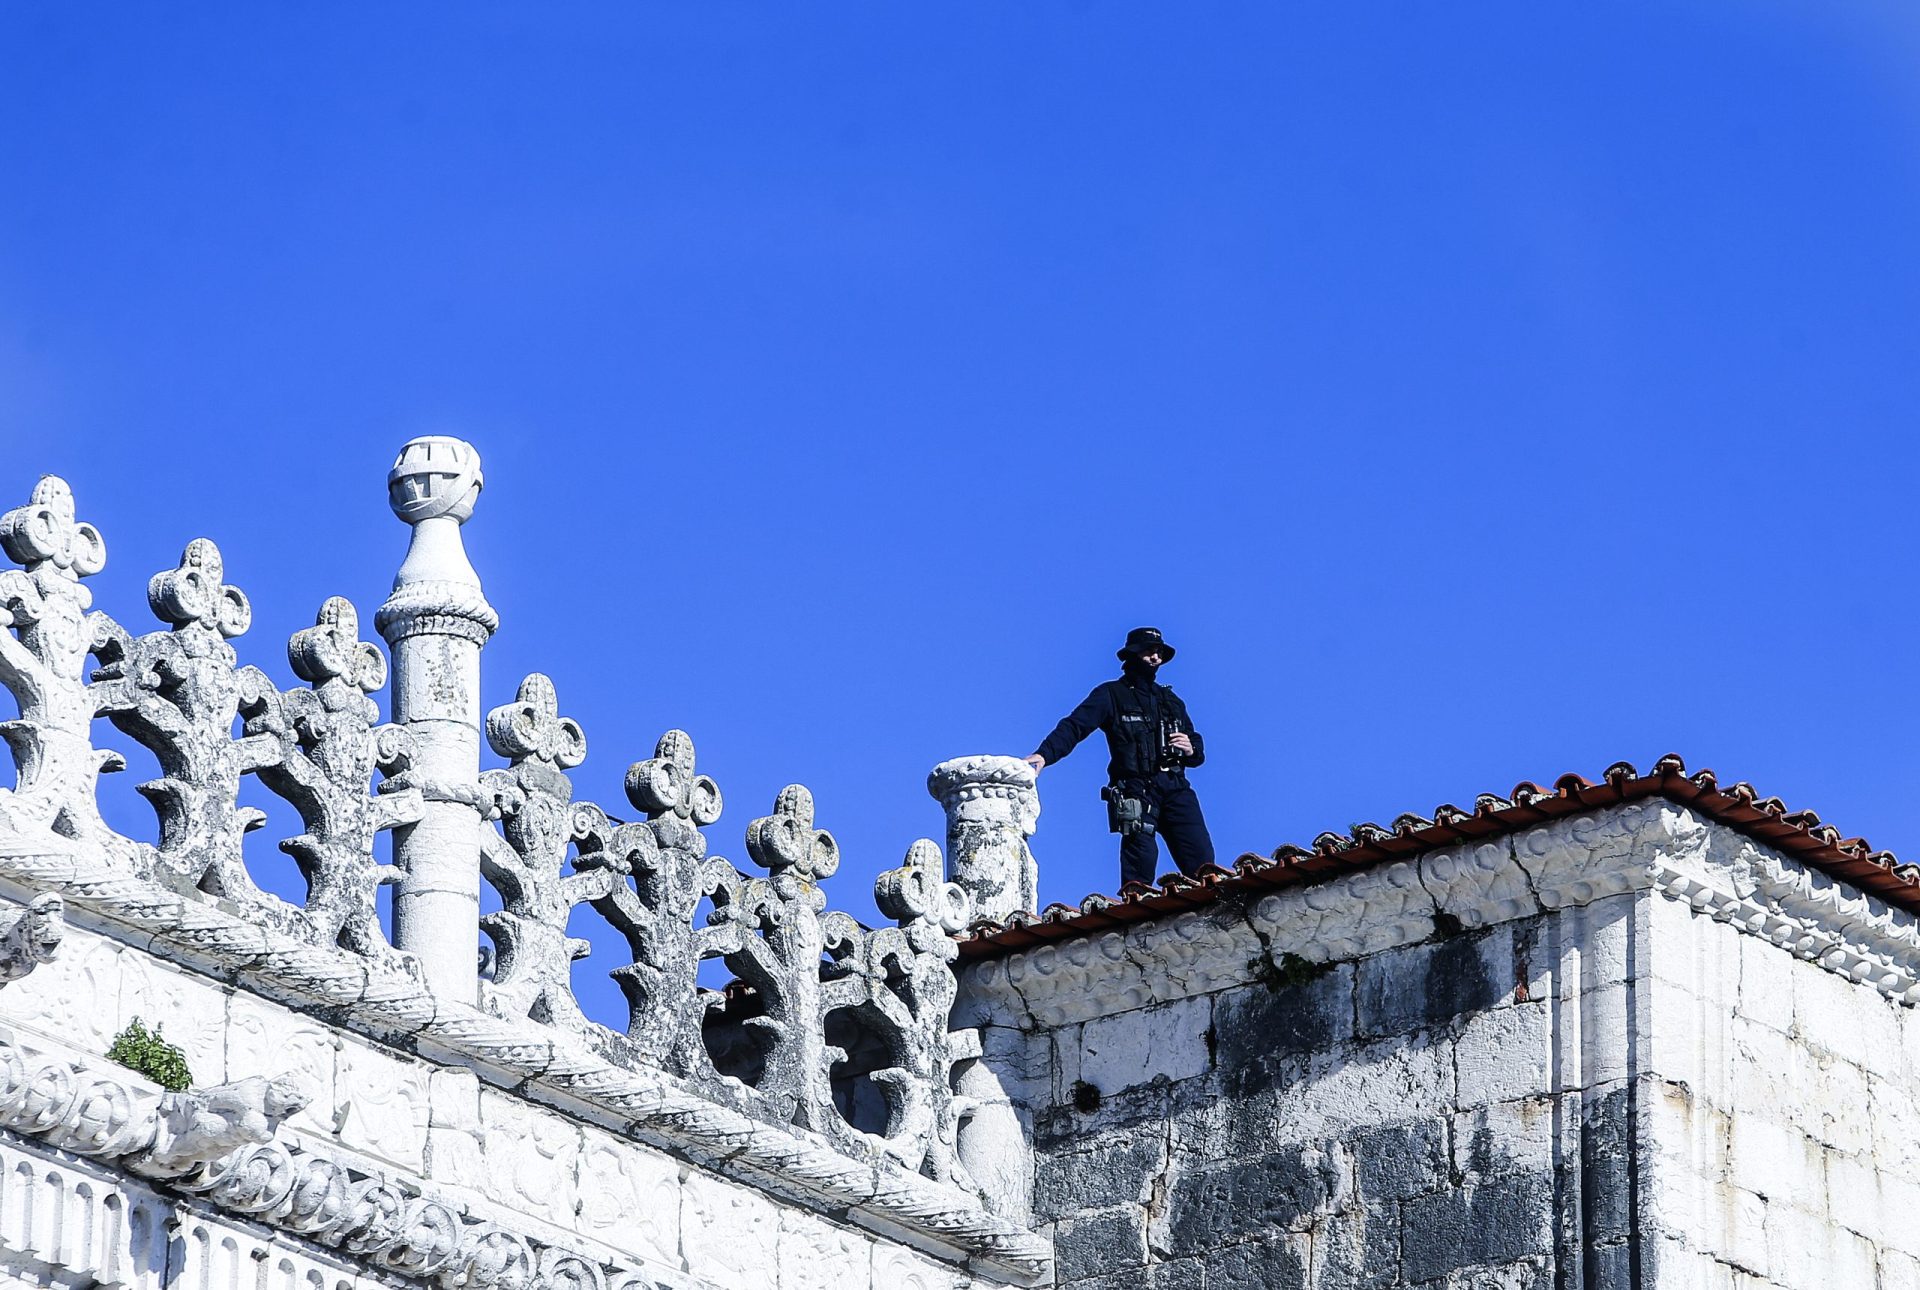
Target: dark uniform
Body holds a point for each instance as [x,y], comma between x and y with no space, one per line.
[1138,715]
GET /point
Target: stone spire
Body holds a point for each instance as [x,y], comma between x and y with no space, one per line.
[436,622]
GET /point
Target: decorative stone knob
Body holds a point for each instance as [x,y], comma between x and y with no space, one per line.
[435,475]
[432,487]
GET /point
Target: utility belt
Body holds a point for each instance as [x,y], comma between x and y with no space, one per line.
[1131,808]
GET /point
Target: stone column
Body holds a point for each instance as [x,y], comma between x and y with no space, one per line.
[435,621]
[992,809]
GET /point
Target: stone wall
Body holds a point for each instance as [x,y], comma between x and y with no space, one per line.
[1787,1113]
[554,1177]
[1392,1120]
[1581,1058]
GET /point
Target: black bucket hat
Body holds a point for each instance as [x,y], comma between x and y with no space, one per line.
[1142,639]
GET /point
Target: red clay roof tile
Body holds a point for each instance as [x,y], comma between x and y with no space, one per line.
[1800,834]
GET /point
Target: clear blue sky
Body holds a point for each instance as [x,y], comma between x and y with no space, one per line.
[1471,395]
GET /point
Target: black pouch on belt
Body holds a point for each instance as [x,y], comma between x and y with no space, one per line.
[1128,810]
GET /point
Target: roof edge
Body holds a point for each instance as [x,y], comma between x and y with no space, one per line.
[1739,806]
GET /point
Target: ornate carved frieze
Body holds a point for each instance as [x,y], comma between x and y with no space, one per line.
[222,1144]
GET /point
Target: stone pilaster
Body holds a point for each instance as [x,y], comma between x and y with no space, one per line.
[436,622]
[992,809]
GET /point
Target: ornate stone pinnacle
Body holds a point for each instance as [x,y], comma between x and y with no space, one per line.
[432,487]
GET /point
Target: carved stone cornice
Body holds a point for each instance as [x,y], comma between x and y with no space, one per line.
[548,1063]
[1652,844]
[222,1144]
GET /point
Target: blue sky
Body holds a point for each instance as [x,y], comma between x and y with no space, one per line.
[1470,395]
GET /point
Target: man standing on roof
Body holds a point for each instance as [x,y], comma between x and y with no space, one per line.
[1151,742]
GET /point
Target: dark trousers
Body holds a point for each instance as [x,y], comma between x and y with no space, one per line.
[1180,823]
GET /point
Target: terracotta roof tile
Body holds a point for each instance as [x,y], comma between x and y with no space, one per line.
[1800,834]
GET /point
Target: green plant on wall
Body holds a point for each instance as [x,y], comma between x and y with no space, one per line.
[143,1050]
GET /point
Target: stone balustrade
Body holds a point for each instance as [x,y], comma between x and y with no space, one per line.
[770,1055]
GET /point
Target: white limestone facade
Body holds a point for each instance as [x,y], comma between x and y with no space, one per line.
[1628,1048]
[589,1203]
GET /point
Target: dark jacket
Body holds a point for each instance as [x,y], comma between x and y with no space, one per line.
[1131,710]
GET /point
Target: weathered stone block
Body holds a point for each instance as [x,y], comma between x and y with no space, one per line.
[1256,1029]
[1899,1271]
[1087,1112]
[455,1135]
[1099,1244]
[630,1198]
[818,1255]
[1838,1017]
[1528,1274]
[1773,1158]
[1766,984]
[1494,1223]
[1173,1042]
[1131,1279]
[1400,1160]
[384,1106]
[732,1230]
[1607,1165]
[1431,984]
[1109,1170]
[1504,1138]
[1504,1054]
[1313,1097]
[898,1269]
[1278,1260]
[532,1157]
[1210,1205]
[1357,1249]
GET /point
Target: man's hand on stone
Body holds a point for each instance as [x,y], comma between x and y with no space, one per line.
[1181,743]
[1036,761]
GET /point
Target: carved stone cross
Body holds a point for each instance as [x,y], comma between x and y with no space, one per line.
[329,748]
[661,874]
[45,636]
[534,798]
[781,938]
[178,692]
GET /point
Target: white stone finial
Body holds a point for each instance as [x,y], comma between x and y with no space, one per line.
[436,621]
[432,487]
[992,809]
[435,475]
